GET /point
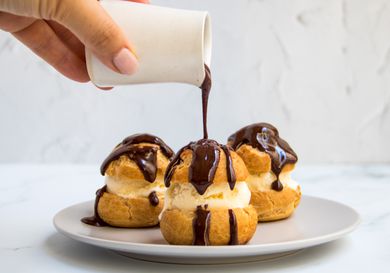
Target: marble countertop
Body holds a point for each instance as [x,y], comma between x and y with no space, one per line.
[32,194]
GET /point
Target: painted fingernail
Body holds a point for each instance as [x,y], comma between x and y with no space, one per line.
[104,88]
[125,62]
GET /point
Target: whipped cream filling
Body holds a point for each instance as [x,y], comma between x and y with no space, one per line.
[132,188]
[185,197]
[263,181]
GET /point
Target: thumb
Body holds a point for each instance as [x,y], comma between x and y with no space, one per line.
[89,22]
[98,32]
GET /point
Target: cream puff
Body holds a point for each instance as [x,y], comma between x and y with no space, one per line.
[270,161]
[134,192]
[207,200]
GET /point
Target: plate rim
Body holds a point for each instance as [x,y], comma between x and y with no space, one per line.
[210,251]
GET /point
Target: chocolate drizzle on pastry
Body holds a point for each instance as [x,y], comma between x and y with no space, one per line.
[265,138]
[148,138]
[233,228]
[146,159]
[231,175]
[204,163]
[95,220]
[205,160]
[201,226]
[153,199]
[144,156]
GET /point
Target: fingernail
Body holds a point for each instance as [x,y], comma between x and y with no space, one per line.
[125,62]
[107,88]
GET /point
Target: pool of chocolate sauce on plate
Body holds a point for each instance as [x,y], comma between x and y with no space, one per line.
[95,220]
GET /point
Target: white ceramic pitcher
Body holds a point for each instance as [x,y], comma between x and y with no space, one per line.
[171,45]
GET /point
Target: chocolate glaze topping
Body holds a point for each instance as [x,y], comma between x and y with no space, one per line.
[145,157]
[205,159]
[233,228]
[146,160]
[201,226]
[153,199]
[231,175]
[265,138]
[95,220]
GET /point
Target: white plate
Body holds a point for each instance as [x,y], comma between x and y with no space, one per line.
[316,221]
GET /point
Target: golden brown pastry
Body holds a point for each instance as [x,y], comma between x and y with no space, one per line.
[270,161]
[207,200]
[134,192]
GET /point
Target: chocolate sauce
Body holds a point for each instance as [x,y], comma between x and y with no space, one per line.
[148,138]
[265,138]
[206,87]
[153,199]
[205,160]
[205,152]
[201,226]
[95,220]
[231,175]
[233,228]
[145,157]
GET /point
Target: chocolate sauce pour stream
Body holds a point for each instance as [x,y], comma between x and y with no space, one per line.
[205,87]
[205,152]
[265,138]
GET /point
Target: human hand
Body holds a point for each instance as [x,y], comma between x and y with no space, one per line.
[59,30]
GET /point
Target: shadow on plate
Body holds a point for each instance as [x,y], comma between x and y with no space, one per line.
[97,259]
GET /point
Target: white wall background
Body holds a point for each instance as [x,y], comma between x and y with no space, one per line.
[318,70]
